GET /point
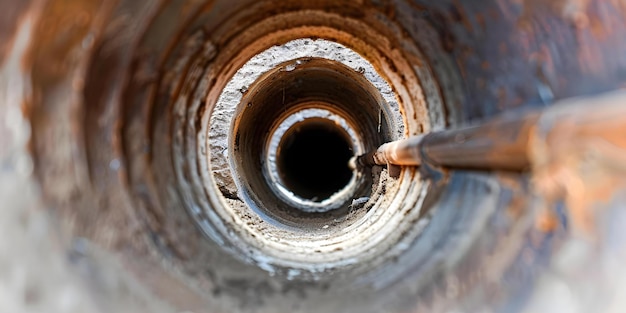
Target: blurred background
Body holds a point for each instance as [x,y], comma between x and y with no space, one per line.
[193,156]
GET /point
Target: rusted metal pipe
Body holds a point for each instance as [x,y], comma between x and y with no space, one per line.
[400,152]
[502,143]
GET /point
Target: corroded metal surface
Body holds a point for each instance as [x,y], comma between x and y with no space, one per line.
[509,141]
[102,109]
[579,155]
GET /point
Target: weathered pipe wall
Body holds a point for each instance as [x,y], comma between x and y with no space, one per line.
[111,199]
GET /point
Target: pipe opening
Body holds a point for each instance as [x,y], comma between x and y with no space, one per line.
[313,159]
[168,140]
[293,133]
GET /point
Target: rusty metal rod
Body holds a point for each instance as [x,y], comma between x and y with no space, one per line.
[502,143]
[404,152]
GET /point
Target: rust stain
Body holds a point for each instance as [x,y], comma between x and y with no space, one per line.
[460,15]
[546,221]
[62,28]
[11,18]
[573,10]
[598,29]
[480,19]
[519,202]
[503,48]
[581,158]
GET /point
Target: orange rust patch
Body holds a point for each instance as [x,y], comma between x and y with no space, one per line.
[546,221]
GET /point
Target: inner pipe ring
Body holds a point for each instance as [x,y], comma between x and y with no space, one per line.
[307,159]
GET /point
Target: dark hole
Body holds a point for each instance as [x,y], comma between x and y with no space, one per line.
[313,159]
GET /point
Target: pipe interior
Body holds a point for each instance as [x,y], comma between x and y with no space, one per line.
[143,146]
[313,159]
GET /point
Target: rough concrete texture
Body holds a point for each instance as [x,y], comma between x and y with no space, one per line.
[224,111]
[101,180]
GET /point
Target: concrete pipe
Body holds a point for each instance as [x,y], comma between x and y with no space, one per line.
[192,156]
